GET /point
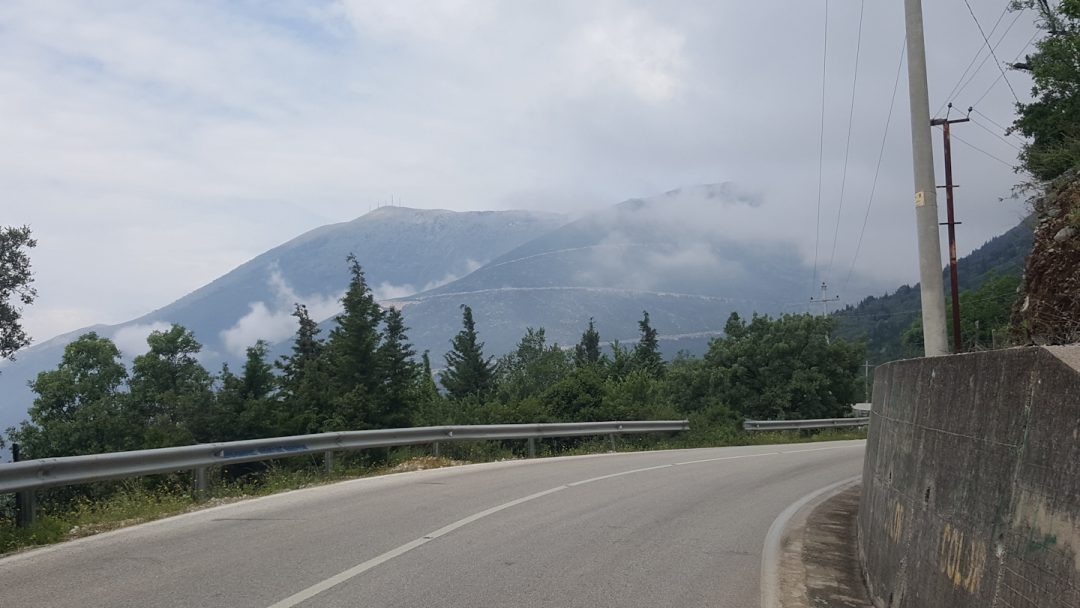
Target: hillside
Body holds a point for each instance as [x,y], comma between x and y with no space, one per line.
[882,320]
[403,251]
[685,256]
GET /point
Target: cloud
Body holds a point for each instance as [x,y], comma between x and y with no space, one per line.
[632,50]
[162,144]
[388,291]
[274,322]
[131,339]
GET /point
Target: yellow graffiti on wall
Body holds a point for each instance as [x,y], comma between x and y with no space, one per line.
[963,562]
[895,527]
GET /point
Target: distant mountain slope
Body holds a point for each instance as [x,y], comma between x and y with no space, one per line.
[883,319]
[684,256]
[402,251]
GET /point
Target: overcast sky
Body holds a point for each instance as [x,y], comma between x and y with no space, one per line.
[153,146]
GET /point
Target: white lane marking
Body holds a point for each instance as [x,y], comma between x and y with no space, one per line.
[835,447]
[592,479]
[359,569]
[728,458]
[770,555]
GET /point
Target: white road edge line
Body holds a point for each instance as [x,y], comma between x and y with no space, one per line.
[770,555]
[359,569]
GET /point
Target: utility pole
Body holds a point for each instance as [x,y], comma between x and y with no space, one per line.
[825,299]
[926,213]
[954,282]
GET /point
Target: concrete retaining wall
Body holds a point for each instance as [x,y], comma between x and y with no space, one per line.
[971,485]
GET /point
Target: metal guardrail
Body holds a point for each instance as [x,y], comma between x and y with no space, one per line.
[790,425]
[70,470]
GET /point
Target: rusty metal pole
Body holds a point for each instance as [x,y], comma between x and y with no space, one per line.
[958,344]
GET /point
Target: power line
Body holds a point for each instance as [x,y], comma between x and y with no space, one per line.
[877,169]
[847,146]
[988,130]
[975,58]
[992,121]
[992,53]
[984,152]
[998,79]
[987,58]
[821,143]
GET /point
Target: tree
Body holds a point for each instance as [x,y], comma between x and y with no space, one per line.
[531,368]
[467,372]
[15,290]
[399,390]
[1052,119]
[78,405]
[304,378]
[785,368]
[171,391]
[647,351]
[352,357]
[587,352]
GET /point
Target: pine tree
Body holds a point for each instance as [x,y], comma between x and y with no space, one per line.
[467,372]
[352,355]
[304,379]
[647,350]
[587,351]
[398,396]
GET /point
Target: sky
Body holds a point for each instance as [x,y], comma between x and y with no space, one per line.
[153,146]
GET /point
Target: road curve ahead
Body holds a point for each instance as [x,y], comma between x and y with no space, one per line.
[679,528]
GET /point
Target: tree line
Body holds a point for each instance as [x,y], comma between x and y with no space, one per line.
[365,374]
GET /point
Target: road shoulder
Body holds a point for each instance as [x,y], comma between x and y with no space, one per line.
[819,564]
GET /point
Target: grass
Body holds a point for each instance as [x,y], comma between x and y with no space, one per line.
[65,514]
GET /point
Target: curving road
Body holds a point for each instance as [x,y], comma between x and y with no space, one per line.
[675,528]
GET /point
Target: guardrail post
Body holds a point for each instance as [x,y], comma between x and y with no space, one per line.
[435,449]
[611,438]
[328,461]
[24,500]
[202,482]
[532,447]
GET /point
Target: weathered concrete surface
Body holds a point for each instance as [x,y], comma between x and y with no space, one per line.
[820,564]
[971,484]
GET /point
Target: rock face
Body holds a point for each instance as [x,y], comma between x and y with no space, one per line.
[1049,312]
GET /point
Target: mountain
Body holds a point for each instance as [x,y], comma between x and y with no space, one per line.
[881,320]
[688,257]
[402,250]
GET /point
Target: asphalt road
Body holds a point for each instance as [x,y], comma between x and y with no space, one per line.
[677,528]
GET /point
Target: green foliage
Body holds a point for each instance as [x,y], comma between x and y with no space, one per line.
[1052,119]
[771,369]
[531,367]
[984,316]
[170,391]
[587,352]
[883,322]
[352,357]
[304,379]
[15,290]
[647,351]
[467,372]
[399,376]
[79,407]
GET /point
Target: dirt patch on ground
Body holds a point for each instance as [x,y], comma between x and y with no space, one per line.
[1049,310]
